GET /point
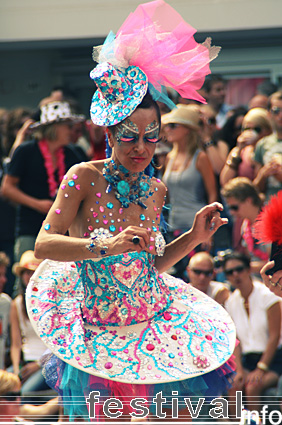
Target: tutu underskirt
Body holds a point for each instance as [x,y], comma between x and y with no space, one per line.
[73,386]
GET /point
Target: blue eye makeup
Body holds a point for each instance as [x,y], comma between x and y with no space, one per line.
[128,132]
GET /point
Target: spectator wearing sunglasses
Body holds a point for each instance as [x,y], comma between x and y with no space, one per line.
[256,125]
[268,152]
[256,313]
[245,203]
[201,272]
[188,173]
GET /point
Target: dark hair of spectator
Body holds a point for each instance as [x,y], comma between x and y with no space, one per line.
[211,79]
[229,133]
[239,256]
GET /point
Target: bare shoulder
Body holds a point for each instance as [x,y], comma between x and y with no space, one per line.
[159,186]
[84,169]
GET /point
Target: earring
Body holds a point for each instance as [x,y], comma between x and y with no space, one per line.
[155,165]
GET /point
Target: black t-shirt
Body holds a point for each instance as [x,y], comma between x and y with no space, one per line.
[27,164]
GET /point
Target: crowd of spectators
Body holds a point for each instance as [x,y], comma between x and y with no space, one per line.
[213,152]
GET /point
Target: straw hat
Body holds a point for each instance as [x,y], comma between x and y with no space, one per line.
[27,262]
[183,114]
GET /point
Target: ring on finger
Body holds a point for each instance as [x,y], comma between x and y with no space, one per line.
[273,283]
[212,226]
[135,240]
[278,284]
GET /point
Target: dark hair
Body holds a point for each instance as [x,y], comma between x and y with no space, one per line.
[211,79]
[235,255]
[275,96]
[227,132]
[147,103]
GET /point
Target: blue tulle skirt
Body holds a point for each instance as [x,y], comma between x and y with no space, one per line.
[74,387]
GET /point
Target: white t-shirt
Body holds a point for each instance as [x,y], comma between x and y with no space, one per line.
[252,330]
[214,288]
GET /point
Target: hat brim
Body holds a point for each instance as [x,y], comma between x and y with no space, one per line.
[17,269]
[73,118]
[163,349]
[104,112]
[170,119]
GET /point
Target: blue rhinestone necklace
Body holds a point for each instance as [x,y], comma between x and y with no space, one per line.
[130,188]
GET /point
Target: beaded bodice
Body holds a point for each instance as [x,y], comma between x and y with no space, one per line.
[122,289]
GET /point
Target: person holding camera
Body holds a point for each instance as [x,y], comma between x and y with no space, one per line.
[256,125]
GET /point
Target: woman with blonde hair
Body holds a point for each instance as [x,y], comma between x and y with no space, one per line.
[188,174]
[256,125]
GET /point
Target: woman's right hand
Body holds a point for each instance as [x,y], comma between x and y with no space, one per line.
[272,281]
[123,242]
[247,137]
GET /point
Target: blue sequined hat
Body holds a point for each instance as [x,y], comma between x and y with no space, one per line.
[118,93]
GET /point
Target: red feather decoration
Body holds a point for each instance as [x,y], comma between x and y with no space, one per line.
[268,225]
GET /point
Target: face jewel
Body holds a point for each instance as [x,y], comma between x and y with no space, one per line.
[47,226]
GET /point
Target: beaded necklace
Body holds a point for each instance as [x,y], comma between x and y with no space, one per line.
[53,185]
[130,188]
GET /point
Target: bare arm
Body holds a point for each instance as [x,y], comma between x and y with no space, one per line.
[11,191]
[21,135]
[16,339]
[204,167]
[52,242]
[206,223]
[274,326]
[217,155]
[230,169]
[222,296]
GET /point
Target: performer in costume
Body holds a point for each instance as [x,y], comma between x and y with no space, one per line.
[102,303]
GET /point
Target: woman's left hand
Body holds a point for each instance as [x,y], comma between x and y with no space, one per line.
[28,370]
[272,281]
[207,221]
[254,378]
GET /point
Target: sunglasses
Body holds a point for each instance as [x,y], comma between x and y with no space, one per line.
[207,273]
[275,110]
[173,125]
[256,129]
[233,207]
[12,396]
[237,269]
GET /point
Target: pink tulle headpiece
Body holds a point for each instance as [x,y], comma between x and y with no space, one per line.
[156,39]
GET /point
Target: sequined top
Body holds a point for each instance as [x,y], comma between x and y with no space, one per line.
[122,289]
